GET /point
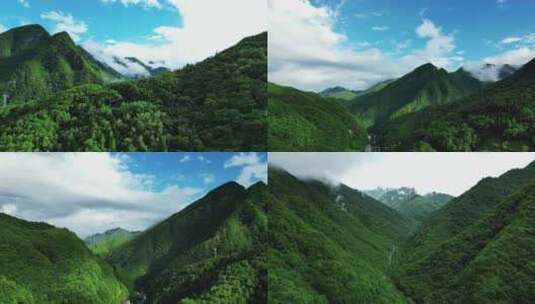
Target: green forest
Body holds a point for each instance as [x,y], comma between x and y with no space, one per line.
[428,109]
[333,244]
[218,104]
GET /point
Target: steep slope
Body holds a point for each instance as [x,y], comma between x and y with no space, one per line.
[43,264]
[488,261]
[213,249]
[330,244]
[102,243]
[501,118]
[301,121]
[427,85]
[34,64]
[218,104]
[466,210]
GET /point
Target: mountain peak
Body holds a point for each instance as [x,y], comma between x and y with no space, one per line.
[29,28]
[63,37]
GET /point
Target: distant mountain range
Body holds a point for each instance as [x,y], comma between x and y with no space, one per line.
[133,67]
[409,203]
[102,243]
[430,109]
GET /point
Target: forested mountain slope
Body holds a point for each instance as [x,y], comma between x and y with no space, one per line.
[427,85]
[42,264]
[218,104]
[210,252]
[303,121]
[500,118]
[489,261]
[467,209]
[35,64]
[330,244]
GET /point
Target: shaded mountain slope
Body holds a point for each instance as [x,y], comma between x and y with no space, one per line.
[329,245]
[500,118]
[35,64]
[488,261]
[302,121]
[213,249]
[43,264]
[427,85]
[218,104]
[467,209]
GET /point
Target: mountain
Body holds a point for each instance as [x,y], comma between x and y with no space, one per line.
[425,86]
[133,67]
[218,104]
[102,243]
[500,118]
[493,72]
[35,64]
[409,203]
[43,264]
[340,93]
[330,244]
[476,249]
[302,121]
[210,252]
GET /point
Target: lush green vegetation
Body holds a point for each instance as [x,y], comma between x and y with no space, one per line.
[301,121]
[330,245]
[102,243]
[34,64]
[501,118]
[489,261]
[425,86]
[216,105]
[42,264]
[213,251]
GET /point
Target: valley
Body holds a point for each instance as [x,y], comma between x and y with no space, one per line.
[428,109]
[335,244]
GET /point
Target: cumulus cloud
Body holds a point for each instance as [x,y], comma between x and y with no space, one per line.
[67,23]
[208,27]
[85,192]
[451,173]
[253,167]
[2,28]
[307,52]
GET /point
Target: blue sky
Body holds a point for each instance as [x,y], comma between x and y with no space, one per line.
[320,43]
[170,32]
[94,192]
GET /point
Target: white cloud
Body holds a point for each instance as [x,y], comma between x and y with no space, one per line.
[2,28]
[451,173]
[207,178]
[185,159]
[85,192]
[510,40]
[380,28]
[253,168]
[67,23]
[9,209]
[24,3]
[305,50]
[518,56]
[208,27]
[203,159]
[146,3]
